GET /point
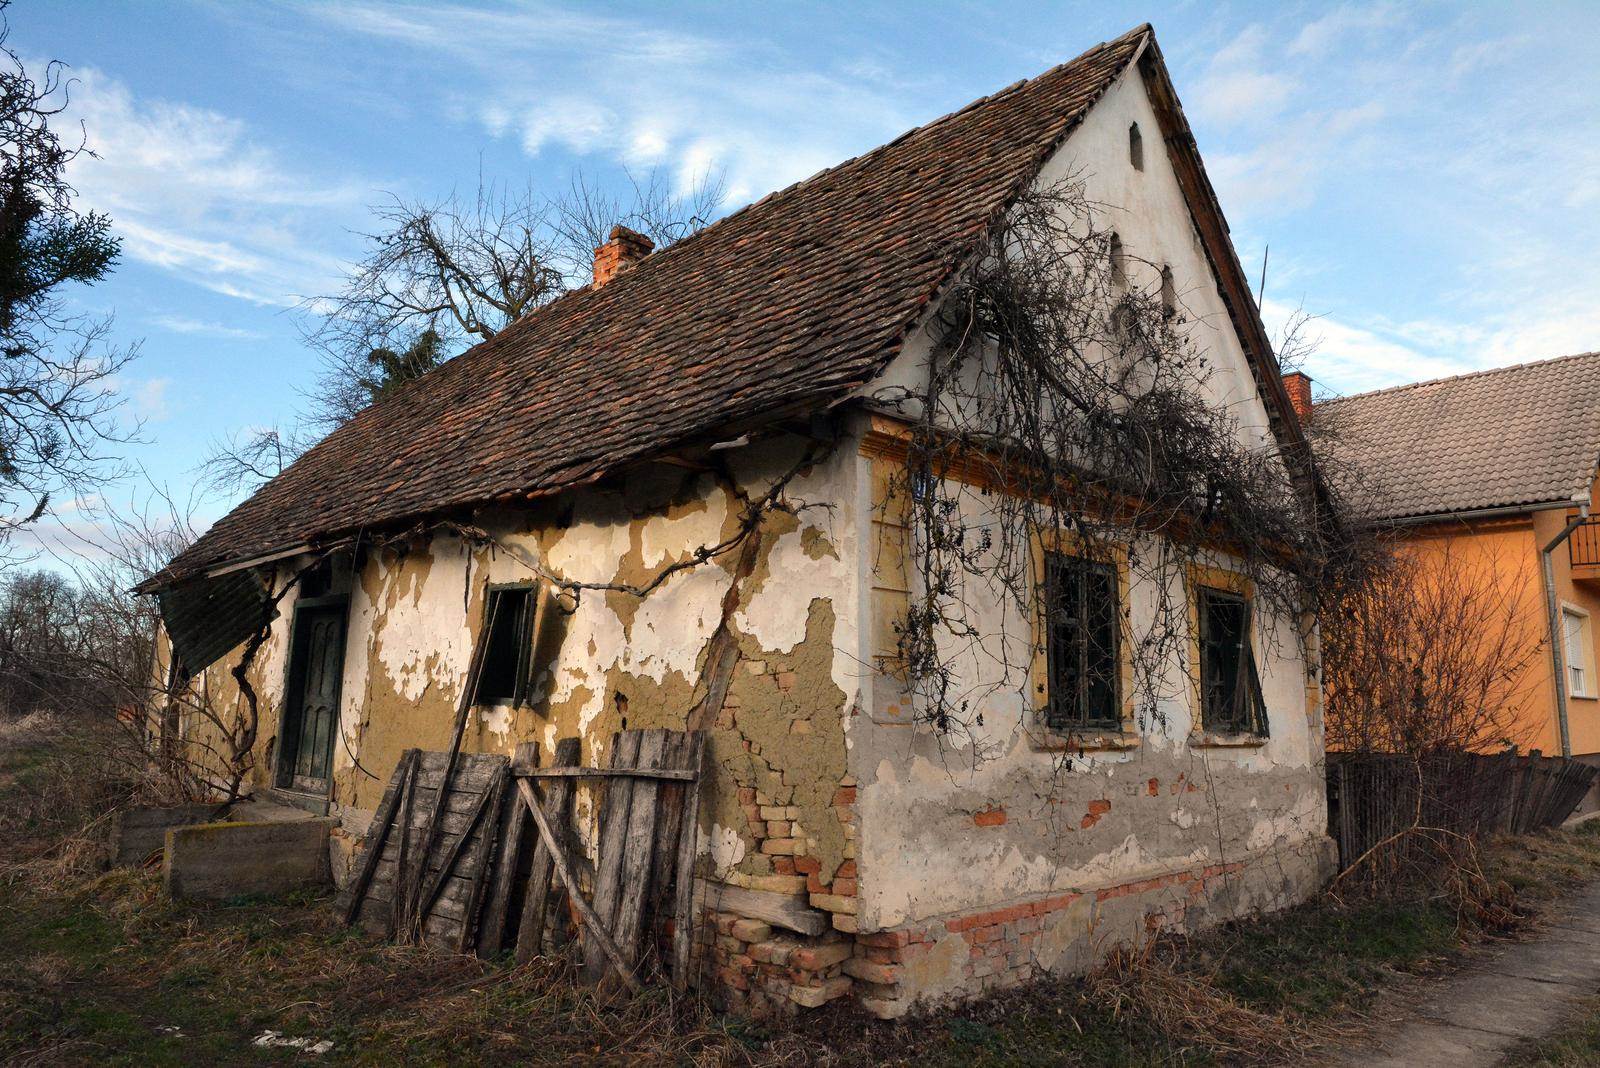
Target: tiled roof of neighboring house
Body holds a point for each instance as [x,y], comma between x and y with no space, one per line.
[1522,435]
[787,304]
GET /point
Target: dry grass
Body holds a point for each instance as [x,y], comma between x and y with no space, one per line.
[101,967]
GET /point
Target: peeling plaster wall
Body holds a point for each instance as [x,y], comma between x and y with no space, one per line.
[997,810]
[618,660]
[961,823]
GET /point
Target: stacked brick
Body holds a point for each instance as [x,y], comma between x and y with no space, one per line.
[760,971]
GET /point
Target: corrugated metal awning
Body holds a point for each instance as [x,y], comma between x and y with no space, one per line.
[207,617]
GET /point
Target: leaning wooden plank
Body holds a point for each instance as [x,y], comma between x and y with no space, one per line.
[613,839]
[472,770]
[638,855]
[683,910]
[790,911]
[488,798]
[396,899]
[412,891]
[378,832]
[669,808]
[597,934]
[480,873]
[513,828]
[535,902]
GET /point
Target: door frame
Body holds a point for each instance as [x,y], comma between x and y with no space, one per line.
[294,697]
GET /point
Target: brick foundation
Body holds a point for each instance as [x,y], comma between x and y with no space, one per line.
[758,970]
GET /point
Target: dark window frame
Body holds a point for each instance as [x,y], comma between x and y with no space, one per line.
[1231,701]
[510,634]
[1083,675]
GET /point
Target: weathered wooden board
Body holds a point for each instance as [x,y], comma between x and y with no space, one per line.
[459,852]
[536,900]
[516,845]
[503,855]
[792,912]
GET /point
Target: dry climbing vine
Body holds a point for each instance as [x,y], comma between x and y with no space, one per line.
[1065,395]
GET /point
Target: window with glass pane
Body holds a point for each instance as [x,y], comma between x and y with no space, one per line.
[1230,688]
[1081,643]
[1575,626]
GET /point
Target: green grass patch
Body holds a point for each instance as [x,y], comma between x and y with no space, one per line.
[1577,1045]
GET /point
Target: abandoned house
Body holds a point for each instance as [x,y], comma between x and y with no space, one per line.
[764,483]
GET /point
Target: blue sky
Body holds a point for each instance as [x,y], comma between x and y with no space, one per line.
[1427,175]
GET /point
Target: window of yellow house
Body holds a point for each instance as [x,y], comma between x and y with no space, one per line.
[1577,650]
[1231,702]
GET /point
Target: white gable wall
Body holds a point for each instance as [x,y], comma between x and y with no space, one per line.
[991,814]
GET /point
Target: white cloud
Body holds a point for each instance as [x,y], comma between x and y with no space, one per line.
[1354,352]
[182,324]
[638,94]
[1238,87]
[150,399]
[188,191]
[1354,359]
[1319,37]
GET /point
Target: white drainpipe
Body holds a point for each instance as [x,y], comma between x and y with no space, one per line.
[1556,636]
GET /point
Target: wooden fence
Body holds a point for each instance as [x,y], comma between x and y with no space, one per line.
[497,866]
[1375,798]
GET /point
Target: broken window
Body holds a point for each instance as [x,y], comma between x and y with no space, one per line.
[509,613]
[1081,644]
[1230,688]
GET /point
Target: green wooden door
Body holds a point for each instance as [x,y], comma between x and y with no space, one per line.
[312,715]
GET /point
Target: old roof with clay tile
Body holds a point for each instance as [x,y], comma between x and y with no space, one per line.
[785,305]
[1514,436]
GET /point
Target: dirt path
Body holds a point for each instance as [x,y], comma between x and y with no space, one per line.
[1524,991]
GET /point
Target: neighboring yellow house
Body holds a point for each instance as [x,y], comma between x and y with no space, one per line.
[1497,469]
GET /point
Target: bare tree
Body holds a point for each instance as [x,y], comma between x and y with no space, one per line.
[251,458]
[1429,651]
[58,402]
[439,276]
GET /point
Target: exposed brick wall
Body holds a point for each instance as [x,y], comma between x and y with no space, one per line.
[756,969]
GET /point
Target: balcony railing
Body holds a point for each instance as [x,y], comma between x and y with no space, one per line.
[1583,546]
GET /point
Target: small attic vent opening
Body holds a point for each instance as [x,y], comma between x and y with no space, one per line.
[1135,147]
[1119,266]
[1169,294]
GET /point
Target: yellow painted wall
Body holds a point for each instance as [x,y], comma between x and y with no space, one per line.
[1510,547]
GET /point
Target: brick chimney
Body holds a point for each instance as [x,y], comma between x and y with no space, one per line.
[622,250]
[1298,386]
